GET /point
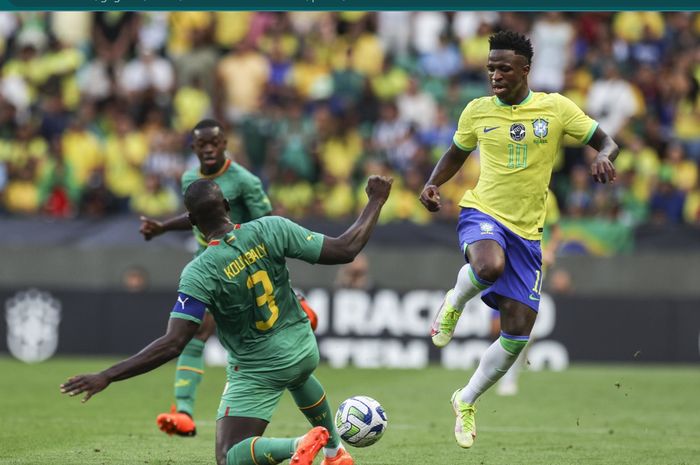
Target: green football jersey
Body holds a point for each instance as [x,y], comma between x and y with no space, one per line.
[243,280]
[240,187]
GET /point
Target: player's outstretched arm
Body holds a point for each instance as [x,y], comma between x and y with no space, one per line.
[344,248]
[158,352]
[151,228]
[602,168]
[447,167]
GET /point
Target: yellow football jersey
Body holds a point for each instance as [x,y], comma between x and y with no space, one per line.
[518,145]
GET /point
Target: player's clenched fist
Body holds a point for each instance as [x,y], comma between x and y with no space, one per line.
[150,228]
[430,198]
[378,187]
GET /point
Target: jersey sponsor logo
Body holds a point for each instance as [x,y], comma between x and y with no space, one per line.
[32,325]
[309,237]
[517,132]
[533,297]
[486,228]
[182,302]
[490,129]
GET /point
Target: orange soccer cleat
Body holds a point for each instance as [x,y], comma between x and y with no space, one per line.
[313,318]
[341,458]
[310,445]
[176,423]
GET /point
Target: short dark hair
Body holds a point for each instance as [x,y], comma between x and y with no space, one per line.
[511,40]
[202,195]
[207,124]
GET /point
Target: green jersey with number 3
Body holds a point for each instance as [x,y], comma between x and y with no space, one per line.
[241,188]
[244,282]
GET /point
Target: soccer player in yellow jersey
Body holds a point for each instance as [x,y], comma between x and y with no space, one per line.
[518,133]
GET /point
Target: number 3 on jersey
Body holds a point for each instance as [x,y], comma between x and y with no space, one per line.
[266,299]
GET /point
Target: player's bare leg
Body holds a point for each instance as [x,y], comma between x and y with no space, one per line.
[239,441]
[517,320]
[188,375]
[486,263]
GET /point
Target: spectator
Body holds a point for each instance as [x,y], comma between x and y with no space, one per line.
[354,275]
[552,37]
[125,152]
[154,200]
[114,35]
[428,26]
[475,52]
[147,76]
[21,192]
[243,75]
[416,106]
[611,101]
[666,203]
[444,62]
[392,31]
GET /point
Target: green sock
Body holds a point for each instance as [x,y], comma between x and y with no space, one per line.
[261,451]
[311,400]
[190,368]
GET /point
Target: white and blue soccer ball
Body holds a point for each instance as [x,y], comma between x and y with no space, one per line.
[361,421]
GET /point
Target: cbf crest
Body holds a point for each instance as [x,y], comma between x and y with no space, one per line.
[540,127]
[517,132]
[486,228]
[32,325]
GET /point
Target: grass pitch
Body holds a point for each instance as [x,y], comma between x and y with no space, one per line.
[589,414]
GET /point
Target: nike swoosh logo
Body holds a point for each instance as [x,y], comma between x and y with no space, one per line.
[490,129]
[532,297]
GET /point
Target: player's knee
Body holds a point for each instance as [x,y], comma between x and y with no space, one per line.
[226,453]
[220,456]
[489,270]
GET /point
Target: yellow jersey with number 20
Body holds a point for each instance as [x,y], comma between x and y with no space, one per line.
[517,147]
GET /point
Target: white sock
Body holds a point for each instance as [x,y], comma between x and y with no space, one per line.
[466,287]
[511,376]
[494,363]
[331,452]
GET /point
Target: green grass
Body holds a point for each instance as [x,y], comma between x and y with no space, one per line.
[587,415]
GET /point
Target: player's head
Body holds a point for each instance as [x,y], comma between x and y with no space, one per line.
[209,143]
[508,65]
[206,205]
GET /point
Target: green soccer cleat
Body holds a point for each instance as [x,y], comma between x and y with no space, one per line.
[443,327]
[465,427]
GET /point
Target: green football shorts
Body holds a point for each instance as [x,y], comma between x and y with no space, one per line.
[256,395]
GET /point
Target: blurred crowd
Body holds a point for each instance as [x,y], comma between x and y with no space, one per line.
[96,108]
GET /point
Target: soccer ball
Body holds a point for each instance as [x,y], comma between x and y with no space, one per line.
[361,421]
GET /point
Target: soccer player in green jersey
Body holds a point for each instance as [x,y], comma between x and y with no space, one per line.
[248,201]
[242,279]
[518,133]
